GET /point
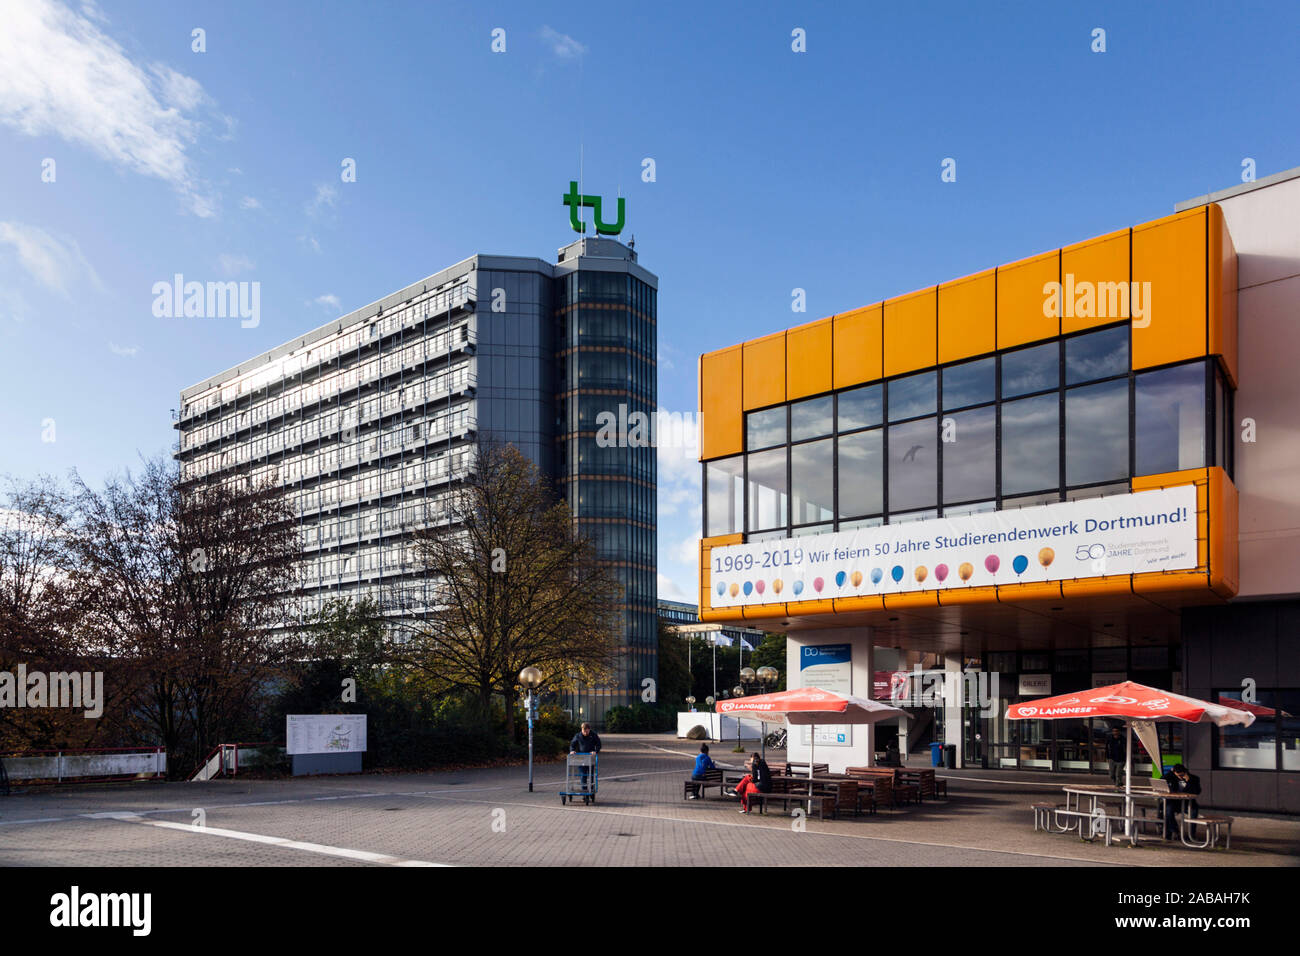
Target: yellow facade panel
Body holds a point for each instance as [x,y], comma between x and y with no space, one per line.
[808,360]
[911,332]
[1222,266]
[1097,587]
[858,339]
[764,372]
[1095,282]
[968,317]
[721,418]
[1170,281]
[1027,310]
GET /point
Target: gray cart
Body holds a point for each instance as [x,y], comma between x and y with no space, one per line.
[580,779]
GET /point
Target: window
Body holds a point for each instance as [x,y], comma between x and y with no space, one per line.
[812,418]
[913,465]
[1096,433]
[725,496]
[912,396]
[1253,747]
[1031,370]
[1169,411]
[1031,444]
[860,408]
[812,477]
[970,453]
[768,503]
[971,383]
[765,428]
[861,473]
[1096,355]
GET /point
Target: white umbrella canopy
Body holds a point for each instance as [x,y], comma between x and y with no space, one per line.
[808,706]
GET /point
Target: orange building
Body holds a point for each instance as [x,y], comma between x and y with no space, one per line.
[1025,474]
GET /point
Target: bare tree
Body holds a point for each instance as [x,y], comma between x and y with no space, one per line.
[515,585]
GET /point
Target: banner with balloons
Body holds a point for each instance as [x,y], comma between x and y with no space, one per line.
[1095,537]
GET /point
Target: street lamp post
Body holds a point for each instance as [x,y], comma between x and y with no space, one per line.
[531,678]
[764,678]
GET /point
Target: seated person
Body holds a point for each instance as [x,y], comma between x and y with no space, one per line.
[1180,780]
[702,763]
[758,780]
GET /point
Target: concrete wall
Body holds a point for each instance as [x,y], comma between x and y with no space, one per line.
[1265,228]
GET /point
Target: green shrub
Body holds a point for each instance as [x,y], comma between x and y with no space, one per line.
[640,719]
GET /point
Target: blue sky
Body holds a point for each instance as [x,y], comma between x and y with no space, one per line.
[774,169]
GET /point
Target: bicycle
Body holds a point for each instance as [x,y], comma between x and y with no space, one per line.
[776,740]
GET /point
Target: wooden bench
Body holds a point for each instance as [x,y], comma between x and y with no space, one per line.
[898,793]
[1214,825]
[699,785]
[784,793]
[798,768]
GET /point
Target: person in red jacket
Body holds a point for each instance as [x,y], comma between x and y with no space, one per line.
[758,780]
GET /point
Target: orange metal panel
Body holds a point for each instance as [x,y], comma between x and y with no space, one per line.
[764,371]
[865,603]
[1169,270]
[1024,314]
[808,360]
[1029,591]
[858,346]
[981,595]
[721,419]
[1224,559]
[911,332]
[1096,587]
[822,606]
[916,599]
[1095,277]
[1170,581]
[968,316]
[1223,293]
[706,582]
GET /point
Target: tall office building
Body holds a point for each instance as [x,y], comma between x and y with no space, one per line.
[370,421]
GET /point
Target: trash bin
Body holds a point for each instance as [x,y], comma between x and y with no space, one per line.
[950,756]
[936,754]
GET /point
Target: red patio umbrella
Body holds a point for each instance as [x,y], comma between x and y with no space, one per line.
[808,706]
[1138,706]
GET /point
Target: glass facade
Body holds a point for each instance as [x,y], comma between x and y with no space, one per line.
[1050,422]
[605,362]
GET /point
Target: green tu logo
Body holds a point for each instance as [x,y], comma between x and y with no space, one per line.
[574,200]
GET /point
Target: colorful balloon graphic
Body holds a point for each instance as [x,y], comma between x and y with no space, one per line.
[734,589]
[749,588]
[941,572]
[817,585]
[897,572]
[1046,556]
[760,586]
[920,573]
[876,575]
[777,585]
[1019,563]
[840,577]
[965,570]
[798,588]
[722,587]
[857,578]
[992,563]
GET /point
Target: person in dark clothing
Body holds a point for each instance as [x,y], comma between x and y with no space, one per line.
[758,780]
[585,741]
[702,763]
[1180,780]
[1115,756]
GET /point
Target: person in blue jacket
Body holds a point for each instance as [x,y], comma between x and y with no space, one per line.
[703,762]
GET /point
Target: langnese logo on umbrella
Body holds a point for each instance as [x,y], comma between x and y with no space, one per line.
[1159,703]
[1113,700]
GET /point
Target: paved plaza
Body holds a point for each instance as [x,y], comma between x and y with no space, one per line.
[488,818]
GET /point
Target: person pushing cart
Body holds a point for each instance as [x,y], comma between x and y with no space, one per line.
[583,749]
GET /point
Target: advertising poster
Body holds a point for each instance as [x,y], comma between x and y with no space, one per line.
[830,667]
[325,733]
[1095,537]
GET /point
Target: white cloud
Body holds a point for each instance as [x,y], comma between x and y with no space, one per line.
[249,202]
[55,263]
[562,45]
[329,301]
[325,199]
[233,265]
[123,350]
[688,550]
[669,591]
[61,76]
